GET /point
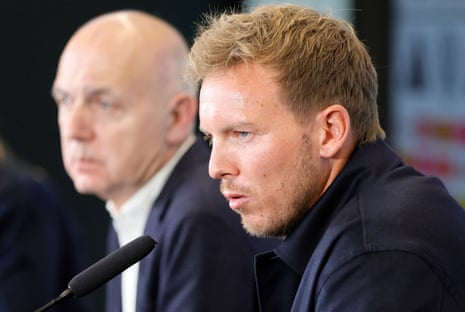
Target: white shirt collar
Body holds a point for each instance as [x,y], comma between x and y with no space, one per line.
[129,222]
[133,213]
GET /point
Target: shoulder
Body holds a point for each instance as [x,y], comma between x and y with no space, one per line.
[385,280]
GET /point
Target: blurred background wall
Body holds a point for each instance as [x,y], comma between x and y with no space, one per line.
[415,46]
[427,88]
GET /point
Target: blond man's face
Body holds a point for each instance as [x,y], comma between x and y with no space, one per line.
[265,159]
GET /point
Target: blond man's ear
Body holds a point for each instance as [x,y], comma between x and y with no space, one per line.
[335,132]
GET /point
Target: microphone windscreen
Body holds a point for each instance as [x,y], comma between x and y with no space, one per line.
[111,265]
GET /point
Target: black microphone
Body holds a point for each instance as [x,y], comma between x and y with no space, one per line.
[105,269]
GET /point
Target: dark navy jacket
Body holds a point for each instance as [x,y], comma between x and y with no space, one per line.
[204,259]
[38,244]
[383,237]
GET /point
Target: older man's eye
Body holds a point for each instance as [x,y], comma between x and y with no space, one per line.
[106,104]
[243,134]
[62,99]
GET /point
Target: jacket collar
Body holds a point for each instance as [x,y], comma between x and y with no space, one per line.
[370,159]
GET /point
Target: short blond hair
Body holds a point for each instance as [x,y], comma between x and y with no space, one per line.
[319,59]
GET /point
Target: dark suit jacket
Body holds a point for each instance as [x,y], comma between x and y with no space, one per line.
[383,237]
[204,259]
[38,245]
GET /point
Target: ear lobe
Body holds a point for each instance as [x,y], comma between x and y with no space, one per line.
[335,131]
[183,110]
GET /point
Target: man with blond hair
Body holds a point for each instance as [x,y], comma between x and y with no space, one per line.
[288,103]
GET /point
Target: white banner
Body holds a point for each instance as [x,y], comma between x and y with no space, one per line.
[427,88]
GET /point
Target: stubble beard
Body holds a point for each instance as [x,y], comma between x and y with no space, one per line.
[302,191]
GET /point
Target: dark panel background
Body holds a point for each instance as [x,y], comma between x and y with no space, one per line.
[372,24]
[32,35]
